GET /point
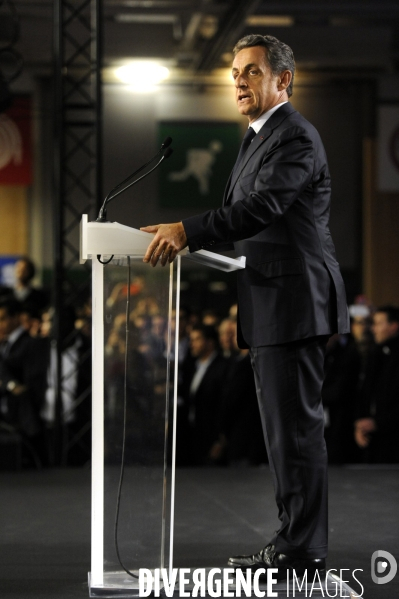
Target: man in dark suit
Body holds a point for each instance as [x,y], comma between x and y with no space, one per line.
[202,387]
[377,420]
[291,294]
[23,368]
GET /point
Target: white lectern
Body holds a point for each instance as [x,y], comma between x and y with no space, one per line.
[146,514]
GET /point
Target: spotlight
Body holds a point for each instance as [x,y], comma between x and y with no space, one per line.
[142,76]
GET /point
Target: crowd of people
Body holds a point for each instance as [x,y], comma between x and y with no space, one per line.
[29,381]
[218,419]
[219,416]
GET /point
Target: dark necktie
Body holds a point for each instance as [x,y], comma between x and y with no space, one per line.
[246,142]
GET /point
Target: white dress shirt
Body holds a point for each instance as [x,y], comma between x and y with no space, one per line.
[258,124]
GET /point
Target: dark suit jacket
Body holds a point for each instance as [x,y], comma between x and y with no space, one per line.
[379,399]
[204,431]
[342,372]
[26,364]
[276,211]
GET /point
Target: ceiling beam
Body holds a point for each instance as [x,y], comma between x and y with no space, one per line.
[231,24]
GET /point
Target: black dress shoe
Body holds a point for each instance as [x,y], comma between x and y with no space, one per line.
[254,562]
[267,558]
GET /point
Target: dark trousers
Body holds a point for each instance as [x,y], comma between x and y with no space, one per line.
[288,382]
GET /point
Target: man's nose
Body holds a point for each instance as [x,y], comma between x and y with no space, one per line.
[240,81]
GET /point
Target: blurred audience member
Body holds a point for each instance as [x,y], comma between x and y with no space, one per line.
[202,387]
[75,380]
[117,298]
[5,292]
[342,370]
[31,319]
[227,335]
[241,441]
[361,332]
[69,367]
[210,318]
[23,364]
[184,335]
[233,312]
[378,413]
[140,375]
[23,291]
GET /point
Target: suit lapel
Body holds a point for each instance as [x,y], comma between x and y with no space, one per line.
[260,138]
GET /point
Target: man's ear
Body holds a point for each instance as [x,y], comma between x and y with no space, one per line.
[395,327]
[285,80]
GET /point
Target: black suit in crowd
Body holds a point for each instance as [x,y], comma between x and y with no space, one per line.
[239,418]
[340,389]
[291,298]
[199,417]
[379,399]
[25,365]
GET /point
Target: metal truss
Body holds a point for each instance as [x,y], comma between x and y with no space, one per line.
[77,185]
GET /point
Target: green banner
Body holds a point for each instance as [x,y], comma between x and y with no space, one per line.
[204,154]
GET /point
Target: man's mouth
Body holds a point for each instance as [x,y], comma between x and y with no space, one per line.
[243,97]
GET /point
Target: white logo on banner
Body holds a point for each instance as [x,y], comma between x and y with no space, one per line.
[10,142]
[199,164]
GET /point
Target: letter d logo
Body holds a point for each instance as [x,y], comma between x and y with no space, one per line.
[380,567]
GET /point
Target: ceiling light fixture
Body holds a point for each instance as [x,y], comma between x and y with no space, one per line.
[270,21]
[142,76]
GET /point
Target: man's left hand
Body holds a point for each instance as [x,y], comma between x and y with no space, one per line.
[168,241]
[366,425]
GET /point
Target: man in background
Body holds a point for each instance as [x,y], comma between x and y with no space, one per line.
[376,427]
[23,369]
[201,390]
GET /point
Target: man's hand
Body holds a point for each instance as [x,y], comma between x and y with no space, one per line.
[367,425]
[169,240]
[363,428]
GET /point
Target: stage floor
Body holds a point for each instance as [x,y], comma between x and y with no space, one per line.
[45,524]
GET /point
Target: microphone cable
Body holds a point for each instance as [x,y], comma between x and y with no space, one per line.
[122,470]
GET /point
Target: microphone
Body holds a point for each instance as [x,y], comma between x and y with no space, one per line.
[102,215]
[166,143]
[165,146]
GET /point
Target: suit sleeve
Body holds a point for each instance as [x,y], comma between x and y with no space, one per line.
[285,171]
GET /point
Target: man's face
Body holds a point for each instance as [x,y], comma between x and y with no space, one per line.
[257,89]
[197,343]
[359,328]
[21,271]
[8,324]
[382,328]
[226,334]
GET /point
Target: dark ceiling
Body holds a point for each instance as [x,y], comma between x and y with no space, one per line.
[196,36]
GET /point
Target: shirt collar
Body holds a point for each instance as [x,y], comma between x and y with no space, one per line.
[205,363]
[258,124]
[12,337]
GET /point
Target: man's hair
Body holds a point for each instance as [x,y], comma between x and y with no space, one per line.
[12,306]
[30,267]
[392,312]
[279,56]
[208,332]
